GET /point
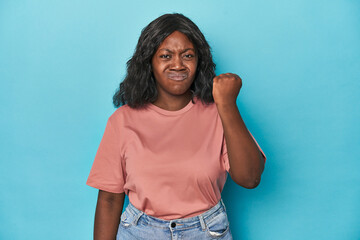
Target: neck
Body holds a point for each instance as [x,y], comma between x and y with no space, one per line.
[173,103]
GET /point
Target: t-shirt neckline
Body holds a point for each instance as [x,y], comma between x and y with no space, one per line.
[172,113]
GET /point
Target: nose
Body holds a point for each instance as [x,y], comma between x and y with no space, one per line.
[177,64]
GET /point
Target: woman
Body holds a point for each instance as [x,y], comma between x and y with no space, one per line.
[171,144]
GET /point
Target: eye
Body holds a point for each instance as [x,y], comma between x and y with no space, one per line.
[189,56]
[165,56]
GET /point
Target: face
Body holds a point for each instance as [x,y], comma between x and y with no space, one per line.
[174,65]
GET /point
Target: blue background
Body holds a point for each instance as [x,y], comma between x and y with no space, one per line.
[61,61]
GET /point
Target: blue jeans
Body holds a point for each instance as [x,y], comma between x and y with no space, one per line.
[212,224]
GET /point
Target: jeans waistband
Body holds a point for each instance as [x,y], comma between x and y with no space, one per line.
[180,222]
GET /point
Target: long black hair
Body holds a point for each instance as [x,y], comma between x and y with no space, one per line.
[139,86]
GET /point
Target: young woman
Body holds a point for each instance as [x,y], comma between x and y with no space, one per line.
[175,135]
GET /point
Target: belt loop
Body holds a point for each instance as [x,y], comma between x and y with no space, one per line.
[223,204]
[137,217]
[202,222]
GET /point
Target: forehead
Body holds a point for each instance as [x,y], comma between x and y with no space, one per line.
[176,40]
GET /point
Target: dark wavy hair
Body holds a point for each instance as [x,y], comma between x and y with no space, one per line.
[139,86]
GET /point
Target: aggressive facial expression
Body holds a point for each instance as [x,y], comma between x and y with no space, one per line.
[174,64]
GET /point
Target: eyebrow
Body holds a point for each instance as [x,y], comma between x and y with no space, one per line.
[187,49]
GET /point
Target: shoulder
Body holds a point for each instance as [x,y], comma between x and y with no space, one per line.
[206,108]
[126,115]
[118,117]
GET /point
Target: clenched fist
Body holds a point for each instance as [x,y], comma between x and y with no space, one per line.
[226,88]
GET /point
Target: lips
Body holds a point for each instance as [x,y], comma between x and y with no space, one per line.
[177,76]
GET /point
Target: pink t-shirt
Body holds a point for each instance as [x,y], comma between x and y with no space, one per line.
[171,164]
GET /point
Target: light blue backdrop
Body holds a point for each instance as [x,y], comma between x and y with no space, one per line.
[61,61]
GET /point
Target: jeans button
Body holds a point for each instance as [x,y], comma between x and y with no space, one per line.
[173,224]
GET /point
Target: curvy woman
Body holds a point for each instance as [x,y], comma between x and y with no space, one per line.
[175,136]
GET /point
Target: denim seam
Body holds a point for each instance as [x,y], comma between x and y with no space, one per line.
[137,216]
[211,216]
[202,222]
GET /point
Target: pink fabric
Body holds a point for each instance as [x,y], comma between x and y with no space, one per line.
[171,164]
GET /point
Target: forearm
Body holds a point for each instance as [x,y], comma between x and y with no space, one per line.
[245,159]
[107,216]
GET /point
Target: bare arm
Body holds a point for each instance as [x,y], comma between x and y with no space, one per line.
[107,215]
[245,159]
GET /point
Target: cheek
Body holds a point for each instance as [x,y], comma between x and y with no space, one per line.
[157,76]
[156,69]
[158,66]
[193,68]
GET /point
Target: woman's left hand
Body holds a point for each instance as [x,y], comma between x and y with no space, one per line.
[226,88]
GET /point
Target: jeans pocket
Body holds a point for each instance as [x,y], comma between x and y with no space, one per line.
[218,226]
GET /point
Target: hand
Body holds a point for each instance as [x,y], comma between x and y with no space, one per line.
[226,88]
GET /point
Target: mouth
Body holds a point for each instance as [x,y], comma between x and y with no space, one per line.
[177,76]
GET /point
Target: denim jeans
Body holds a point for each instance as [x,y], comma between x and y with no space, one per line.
[212,224]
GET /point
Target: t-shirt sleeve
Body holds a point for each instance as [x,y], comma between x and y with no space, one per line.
[225,157]
[107,170]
